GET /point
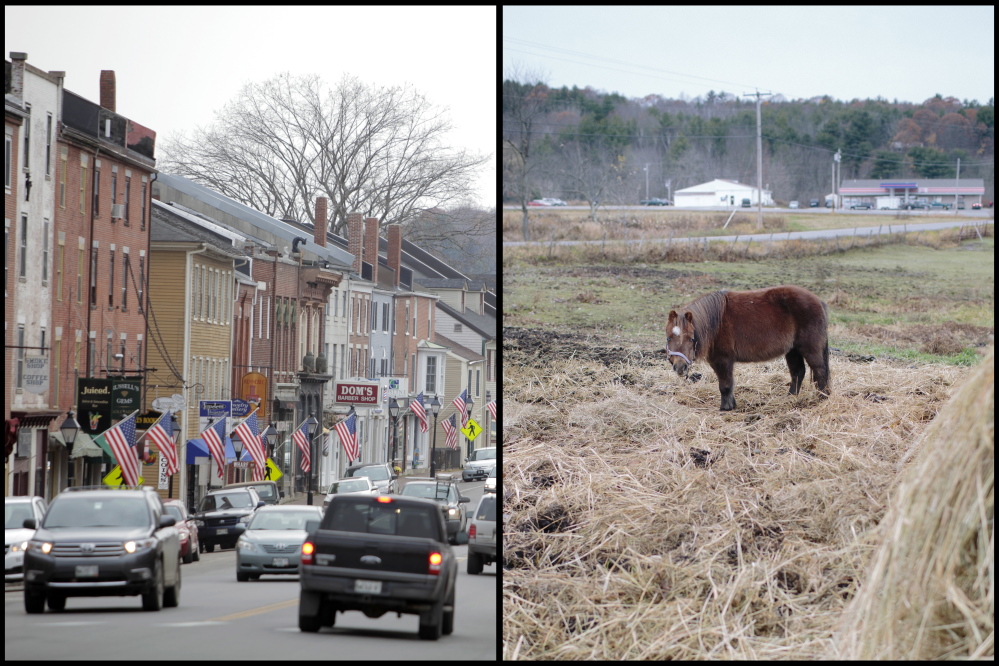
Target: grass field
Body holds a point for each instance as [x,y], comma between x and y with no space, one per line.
[641,522]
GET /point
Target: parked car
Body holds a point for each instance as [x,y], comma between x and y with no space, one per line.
[861,206]
[490,485]
[444,491]
[381,474]
[268,490]
[272,542]
[554,202]
[829,203]
[103,542]
[655,201]
[477,465]
[222,516]
[940,204]
[814,203]
[793,204]
[482,535]
[15,536]
[360,485]
[912,205]
[189,544]
[746,203]
[538,202]
[976,206]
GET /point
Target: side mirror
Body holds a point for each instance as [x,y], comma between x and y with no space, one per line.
[261,503]
[167,521]
[461,538]
[464,500]
[311,526]
[30,523]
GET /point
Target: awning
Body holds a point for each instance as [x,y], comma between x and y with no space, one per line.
[83,447]
[196,448]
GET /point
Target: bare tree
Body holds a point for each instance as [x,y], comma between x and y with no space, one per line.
[279,144]
[525,102]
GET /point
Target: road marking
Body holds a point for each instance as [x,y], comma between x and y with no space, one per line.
[71,624]
[255,611]
[188,624]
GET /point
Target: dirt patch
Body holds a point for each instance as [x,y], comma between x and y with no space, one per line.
[944,339]
[531,346]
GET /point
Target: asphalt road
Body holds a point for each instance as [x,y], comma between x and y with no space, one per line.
[220,618]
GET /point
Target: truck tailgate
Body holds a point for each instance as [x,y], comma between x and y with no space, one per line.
[372,553]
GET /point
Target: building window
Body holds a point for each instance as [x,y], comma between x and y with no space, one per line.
[371,368]
[79,276]
[138,353]
[142,215]
[384,365]
[121,366]
[93,278]
[83,188]
[431,385]
[124,281]
[142,278]
[374,317]
[489,365]
[20,356]
[63,163]
[24,246]
[59,270]
[478,376]
[385,317]
[128,192]
[48,145]
[107,357]
[111,283]
[196,304]
[45,252]
[56,354]
[96,206]
[27,138]
[457,328]
[7,156]
[114,189]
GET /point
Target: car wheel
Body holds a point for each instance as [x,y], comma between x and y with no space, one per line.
[189,556]
[447,619]
[34,603]
[242,577]
[209,547]
[306,622]
[430,623]
[474,564]
[57,602]
[328,614]
[197,554]
[171,596]
[152,600]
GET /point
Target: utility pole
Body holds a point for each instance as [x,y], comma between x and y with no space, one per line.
[836,166]
[759,159]
[956,179]
[646,182]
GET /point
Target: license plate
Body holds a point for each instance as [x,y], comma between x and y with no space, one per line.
[222,530]
[368,586]
[89,571]
[279,562]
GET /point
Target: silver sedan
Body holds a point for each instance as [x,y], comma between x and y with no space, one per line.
[272,542]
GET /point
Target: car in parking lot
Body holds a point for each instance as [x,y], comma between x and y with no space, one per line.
[477,465]
[482,534]
[913,205]
[222,516]
[189,544]
[552,201]
[490,485]
[976,206]
[268,490]
[15,536]
[272,542]
[940,204]
[814,203]
[538,202]
[860,206]
[381,474]
[95,541]
[793,204]
[361,485]
[654,201]
[444,491]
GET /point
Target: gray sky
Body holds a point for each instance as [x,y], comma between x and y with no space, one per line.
[175,66]
[909,53]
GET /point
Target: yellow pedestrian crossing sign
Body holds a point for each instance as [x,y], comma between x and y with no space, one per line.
[114,478]
[273,473]
[471,429]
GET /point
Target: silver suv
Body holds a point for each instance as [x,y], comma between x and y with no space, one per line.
[478,464]
[482,534]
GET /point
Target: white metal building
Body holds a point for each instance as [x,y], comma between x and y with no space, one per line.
[719,192]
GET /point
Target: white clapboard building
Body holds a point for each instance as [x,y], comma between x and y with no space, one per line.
[719,192]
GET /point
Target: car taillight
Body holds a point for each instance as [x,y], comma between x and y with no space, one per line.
[435,564]
[471,531]
[308,548]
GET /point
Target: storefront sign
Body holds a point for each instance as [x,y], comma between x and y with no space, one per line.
[253,389]
[125,395]
[93,398]
[356,393]
[35,376]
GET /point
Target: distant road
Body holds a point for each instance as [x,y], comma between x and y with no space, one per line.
[984,212]
[784,235]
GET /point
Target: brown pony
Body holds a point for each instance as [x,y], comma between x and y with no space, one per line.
[726,327]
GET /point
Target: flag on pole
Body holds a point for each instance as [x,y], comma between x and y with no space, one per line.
[491,406]
[460,403]
[121,439]
[249,432]
[162,434]
[421,412]
[301,438]
[326,443]
[214,437]
[451,429]
[347,430]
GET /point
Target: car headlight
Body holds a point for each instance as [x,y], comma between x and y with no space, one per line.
[452,513]
[198,523]
[139,544]
[41,546]
[244,519]
[19,547]
[246,546]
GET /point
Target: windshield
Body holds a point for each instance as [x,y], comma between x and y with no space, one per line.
[266,491]
[378,473]
[486,509]
[175,512]
[237,499]
[82,511]
[483,454]
[429,491]
[282,520]
[348,486]
[383,518]
[15,513]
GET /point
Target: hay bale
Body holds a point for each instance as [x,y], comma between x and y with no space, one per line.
[929,590]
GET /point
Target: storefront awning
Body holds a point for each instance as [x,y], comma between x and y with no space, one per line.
[83,446]
[196,448]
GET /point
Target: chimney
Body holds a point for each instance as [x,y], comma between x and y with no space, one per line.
[17,74]
[319,234]
[107,89]
[371,246]
[355,233]
[395,249]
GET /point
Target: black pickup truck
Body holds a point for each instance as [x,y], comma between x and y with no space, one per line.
[378,554]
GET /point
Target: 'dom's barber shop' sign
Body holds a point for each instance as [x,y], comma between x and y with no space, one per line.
[357,393]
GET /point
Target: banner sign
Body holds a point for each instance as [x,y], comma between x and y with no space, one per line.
[209,410]
[125,395]
[253,389]
[93,399]
[241,408]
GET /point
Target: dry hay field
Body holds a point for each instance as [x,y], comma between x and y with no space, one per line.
[640,522]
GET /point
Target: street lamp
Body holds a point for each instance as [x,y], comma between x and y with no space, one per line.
[394,412]
[237,445]
[271,434]
[469,404]
[310,424]
[175,429]
[435,407]
[69,428]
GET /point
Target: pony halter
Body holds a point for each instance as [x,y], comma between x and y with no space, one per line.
[673,353]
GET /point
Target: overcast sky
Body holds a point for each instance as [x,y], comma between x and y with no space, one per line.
[909,53]
[175,66]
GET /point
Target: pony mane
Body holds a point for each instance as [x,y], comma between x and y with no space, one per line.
[707,311]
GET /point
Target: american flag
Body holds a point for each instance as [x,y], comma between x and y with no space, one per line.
[162,434]
[460,403]
[249,432]
[491,406]
[451,429]
[301,438]
[214,437]
[347,430]
[121,439]
[421,412]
